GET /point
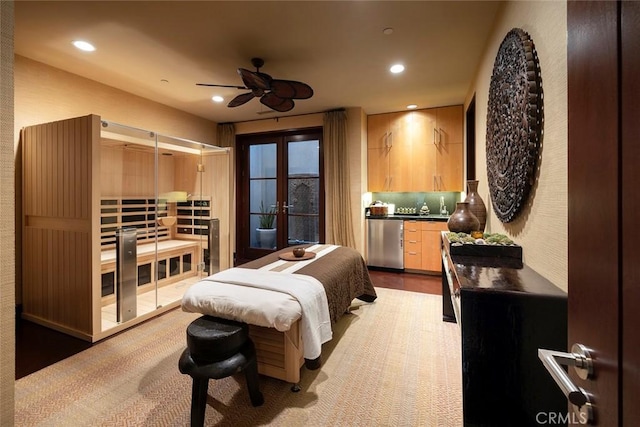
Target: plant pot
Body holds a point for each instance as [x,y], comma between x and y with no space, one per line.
[266,237]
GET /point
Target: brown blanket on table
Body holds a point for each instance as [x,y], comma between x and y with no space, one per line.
[343,273]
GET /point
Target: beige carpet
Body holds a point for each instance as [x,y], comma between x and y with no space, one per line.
[390,363]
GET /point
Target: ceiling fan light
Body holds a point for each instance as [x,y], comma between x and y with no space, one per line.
[217,98]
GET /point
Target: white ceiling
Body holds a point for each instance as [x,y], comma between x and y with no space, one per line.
[337,47]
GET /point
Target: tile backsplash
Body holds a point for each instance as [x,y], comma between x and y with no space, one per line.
[416,200]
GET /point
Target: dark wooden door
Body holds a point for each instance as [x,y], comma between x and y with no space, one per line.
[280,199]
[630,29]
[604,204]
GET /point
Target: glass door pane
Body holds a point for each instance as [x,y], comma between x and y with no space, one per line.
[263,202]
[184,216]
[128,223]
[280,192]
[303,191]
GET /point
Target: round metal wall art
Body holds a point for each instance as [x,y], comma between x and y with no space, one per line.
[514,124]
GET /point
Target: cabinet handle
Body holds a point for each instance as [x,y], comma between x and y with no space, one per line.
[580,358]
[435,131]
[440,132]
[441,183]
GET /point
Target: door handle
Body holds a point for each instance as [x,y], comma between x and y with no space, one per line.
[285,206]
[581,360]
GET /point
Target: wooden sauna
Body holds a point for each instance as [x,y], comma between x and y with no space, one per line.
[86,181]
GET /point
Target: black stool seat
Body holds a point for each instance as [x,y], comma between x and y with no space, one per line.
[211,339]
[218,348]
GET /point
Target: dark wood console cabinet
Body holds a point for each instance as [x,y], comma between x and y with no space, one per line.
[506,311]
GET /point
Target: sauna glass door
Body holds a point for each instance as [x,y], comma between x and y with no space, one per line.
[157,189]
[128,227]
[185,210]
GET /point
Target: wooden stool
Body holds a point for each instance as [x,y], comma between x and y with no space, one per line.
[218,348]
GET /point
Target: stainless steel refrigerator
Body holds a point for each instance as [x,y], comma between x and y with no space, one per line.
[385,246]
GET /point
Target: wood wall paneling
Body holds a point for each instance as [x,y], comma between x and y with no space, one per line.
[57,255]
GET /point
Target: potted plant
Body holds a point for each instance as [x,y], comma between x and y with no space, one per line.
[266,232]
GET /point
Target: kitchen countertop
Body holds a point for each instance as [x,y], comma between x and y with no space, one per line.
[416,217]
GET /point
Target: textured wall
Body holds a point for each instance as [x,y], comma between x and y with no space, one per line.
[45,94]
[541,228]
[7,218]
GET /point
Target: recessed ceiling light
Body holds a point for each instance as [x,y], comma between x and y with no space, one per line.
[387,31]
[397,68]
[412,106]
[83,45]
[217,98]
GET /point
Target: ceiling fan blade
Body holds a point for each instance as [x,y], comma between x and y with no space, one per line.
[291,89]
[255,80]
[243,98]
[233,86]
[274,102]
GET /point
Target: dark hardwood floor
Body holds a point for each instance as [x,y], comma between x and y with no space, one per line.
[407,281]
[38,347]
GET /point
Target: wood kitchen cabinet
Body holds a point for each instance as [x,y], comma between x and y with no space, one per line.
[422,243]
[431,243]
[445,150]
[412,245]
[387,151]
[418,150]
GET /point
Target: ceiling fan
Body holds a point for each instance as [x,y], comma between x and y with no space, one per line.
[274,93]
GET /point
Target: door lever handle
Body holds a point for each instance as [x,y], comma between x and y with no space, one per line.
[285,206]
[581,360]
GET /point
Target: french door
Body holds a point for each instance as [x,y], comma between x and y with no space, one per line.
[280,192]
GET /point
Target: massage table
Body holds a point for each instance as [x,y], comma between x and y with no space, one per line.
[290,305]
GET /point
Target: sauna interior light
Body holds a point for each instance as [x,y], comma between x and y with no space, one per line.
[83,45]
[174,196]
